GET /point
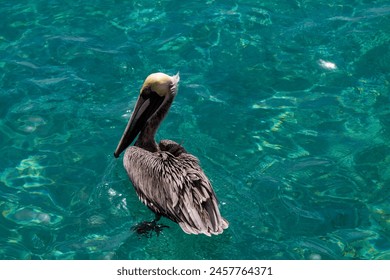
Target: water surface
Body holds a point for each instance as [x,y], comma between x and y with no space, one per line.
[285,103]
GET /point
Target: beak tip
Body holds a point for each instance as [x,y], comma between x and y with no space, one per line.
[116,155]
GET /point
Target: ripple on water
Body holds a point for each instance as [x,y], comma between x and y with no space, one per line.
[14,250]
[30,123]
[28,174]
[381,215]
[30,215]
[314,249]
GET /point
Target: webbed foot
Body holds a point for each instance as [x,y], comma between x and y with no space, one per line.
[146,229]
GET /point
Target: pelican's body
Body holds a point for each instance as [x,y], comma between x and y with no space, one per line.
[166,178]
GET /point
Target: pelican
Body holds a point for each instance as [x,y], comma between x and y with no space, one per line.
[166,178]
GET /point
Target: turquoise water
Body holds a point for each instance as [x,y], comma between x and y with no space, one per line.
[286,104]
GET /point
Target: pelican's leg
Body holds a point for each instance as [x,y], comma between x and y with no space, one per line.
[157,218]
[146,228]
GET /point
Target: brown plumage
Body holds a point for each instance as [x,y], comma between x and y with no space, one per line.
[166,178]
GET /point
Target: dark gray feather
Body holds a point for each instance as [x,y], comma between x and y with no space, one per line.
[174,185]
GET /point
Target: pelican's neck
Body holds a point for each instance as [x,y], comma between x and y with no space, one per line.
[146,138]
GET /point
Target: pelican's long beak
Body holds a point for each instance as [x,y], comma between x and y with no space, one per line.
[156,89]
[145,107]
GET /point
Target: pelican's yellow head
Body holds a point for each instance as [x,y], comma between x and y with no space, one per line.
[161,83]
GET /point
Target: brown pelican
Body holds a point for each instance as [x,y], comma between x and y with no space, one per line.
[165,176]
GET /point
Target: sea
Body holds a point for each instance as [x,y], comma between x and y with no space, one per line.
[285,103]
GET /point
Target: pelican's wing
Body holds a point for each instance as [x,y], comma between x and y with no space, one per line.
[175,187]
